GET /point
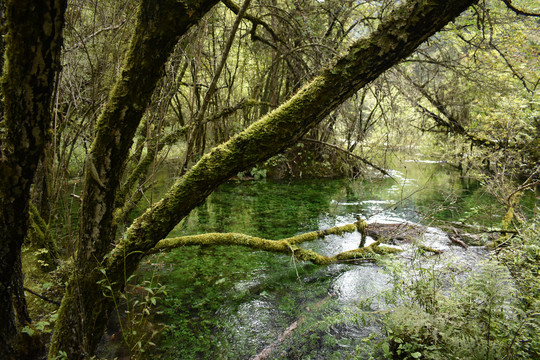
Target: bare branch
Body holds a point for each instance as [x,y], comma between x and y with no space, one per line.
[42,297]
[94,34]
[348,153]
[512,68]
[254,20]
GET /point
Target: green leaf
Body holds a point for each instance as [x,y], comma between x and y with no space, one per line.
[386,348]
[28,330]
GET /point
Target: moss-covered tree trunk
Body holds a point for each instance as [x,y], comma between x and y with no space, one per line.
[84,308]
[395,39]
[33,43]
[159,25]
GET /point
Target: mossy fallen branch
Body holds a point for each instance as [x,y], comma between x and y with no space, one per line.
[284,246]
[430,249]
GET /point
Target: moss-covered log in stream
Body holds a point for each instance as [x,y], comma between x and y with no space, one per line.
[284,246]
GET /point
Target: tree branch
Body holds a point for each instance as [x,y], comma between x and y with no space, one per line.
[519,11]
[255,20]
[222,61]
[511,67]
[143,165]
[192,150]
[348,153]
[42,297]
[284,246]
[452,124]
[232,109]
[94,34]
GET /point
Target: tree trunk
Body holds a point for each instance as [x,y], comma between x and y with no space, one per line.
[82,316]
[33,43]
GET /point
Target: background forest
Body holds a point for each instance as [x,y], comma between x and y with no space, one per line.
[126,89]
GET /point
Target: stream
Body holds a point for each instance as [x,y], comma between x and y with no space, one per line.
[233,303]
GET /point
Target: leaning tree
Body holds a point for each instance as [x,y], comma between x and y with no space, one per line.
[33,43]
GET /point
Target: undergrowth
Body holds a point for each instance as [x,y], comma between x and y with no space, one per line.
[489,311]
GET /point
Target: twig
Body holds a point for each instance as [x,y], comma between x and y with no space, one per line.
[42,296]
[94,34]
[225,54]
[348,153]
[455,240]
[524,186]
[254,20]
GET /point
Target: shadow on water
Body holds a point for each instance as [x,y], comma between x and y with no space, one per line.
[232,303]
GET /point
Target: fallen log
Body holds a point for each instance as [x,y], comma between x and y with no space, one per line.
[456,240]
[395,233]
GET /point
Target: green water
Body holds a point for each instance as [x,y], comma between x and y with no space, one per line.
[231,302]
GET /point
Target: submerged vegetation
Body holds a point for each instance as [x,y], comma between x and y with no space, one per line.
[215,179]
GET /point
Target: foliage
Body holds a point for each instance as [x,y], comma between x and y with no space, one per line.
[480,313]
[133,308]
[522,258]
[480,112]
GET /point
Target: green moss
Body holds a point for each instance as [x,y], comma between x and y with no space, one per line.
[284,246]
[367,252]
[41,240]
[429,249]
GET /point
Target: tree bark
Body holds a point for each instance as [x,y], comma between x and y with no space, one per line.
[82,316]
[32,57]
